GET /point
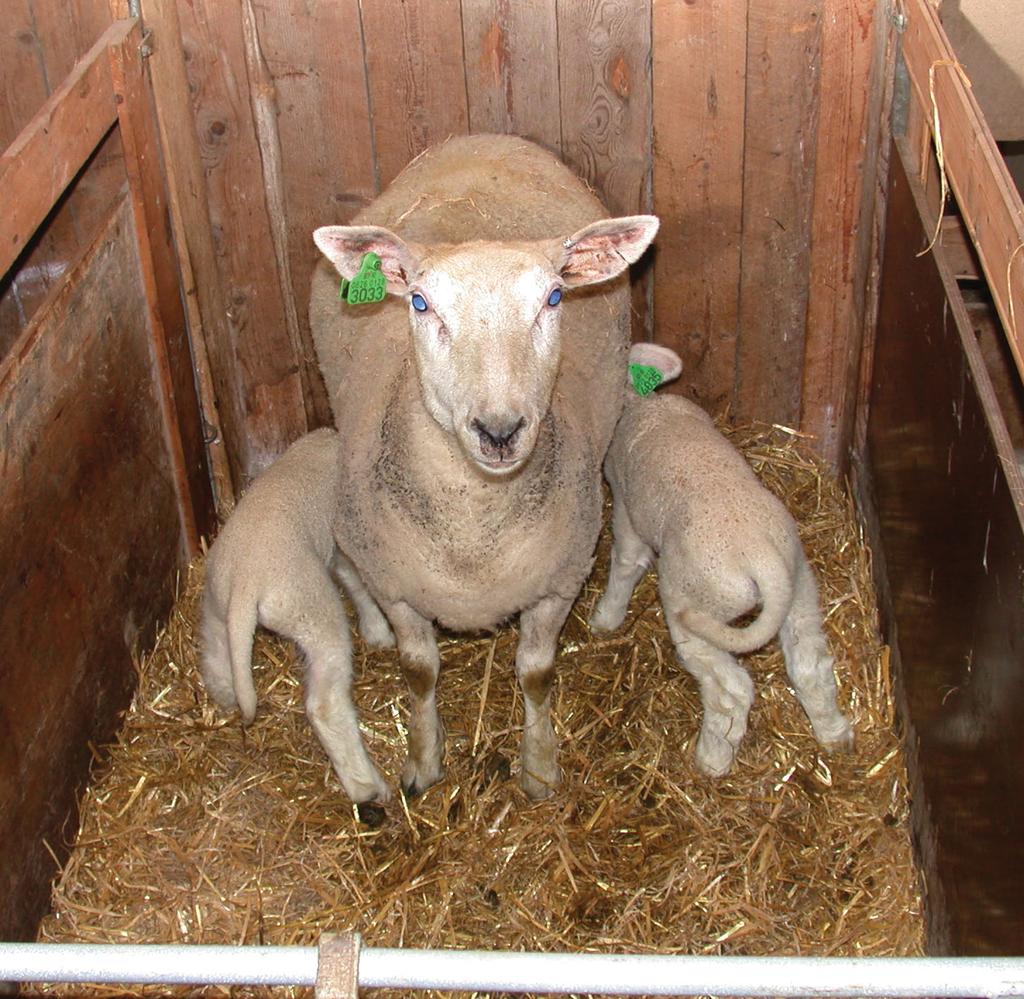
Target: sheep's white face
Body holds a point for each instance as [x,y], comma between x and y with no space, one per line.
[486,334]
[485,321]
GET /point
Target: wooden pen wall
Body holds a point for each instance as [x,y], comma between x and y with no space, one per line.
[39,44]
[750,126]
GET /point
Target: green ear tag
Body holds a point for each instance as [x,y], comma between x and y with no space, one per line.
[645,378]
[369,284]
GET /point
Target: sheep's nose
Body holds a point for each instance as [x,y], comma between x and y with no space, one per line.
[498,434]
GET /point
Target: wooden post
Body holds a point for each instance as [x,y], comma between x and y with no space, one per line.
[169,337]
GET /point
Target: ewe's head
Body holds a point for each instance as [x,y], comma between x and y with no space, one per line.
[486,319]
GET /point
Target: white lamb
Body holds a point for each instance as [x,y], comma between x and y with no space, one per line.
[271,564]
[724,545]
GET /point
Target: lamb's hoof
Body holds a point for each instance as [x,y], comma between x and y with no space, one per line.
[371,813]
[605,618]
[837,738]
[714,756]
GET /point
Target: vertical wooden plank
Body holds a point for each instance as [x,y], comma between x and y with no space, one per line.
[783,64]
[22,71]
[700,56]
[878,195]
[263,98]
[63,38]
[604,54]
[217,379]
[853,41]
[169,338]
[313,52]
[417,79]
[512,68]
[260,349]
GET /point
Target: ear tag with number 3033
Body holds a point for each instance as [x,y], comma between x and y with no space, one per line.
[645,378]
[369,284]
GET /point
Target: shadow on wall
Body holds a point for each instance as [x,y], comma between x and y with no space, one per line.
[988,38]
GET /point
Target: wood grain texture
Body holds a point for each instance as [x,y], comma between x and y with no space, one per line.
[89,541]
[949,498]
[700,55]
[263,99]
[604,54]
[260,350]
[172,355]
[28,74]
[783,68]
[45,156]
[216,378]
[512,71]
[416,75]
[989,201]
[852,66]
[313,54]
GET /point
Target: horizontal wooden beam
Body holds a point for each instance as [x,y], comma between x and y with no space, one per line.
[48,153]
[989,202]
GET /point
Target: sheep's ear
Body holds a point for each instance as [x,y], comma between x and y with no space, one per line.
[663,359]
[603,249]
[346,246]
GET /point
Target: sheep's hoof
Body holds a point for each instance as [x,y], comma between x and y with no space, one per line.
[371,813]
[537,789]
[415,782]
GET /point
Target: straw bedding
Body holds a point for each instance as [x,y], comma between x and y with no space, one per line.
[198,830]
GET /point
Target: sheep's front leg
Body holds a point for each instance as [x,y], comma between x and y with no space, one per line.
[631,558]
[421,663]
[539,627]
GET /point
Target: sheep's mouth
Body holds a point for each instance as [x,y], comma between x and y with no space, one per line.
[501,466]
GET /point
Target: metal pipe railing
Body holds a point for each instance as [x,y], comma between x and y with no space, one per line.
[608,974]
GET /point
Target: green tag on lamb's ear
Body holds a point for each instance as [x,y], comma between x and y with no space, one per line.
[368,285]
[645,378]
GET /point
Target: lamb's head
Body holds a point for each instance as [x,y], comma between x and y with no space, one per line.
[486,319]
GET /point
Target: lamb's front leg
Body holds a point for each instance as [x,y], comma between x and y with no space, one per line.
[421,663]
[539,627]
[631,558]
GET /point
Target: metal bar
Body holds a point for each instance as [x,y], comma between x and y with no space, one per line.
[608,974]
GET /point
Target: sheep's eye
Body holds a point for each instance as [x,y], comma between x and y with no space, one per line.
[419,303]
[555,297]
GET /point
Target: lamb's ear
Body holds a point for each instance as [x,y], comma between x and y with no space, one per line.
[346,245]
[603,249]
[653,355]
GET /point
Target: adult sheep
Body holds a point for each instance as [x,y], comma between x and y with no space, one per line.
[475,408]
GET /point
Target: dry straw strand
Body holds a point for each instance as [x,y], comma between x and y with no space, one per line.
[197,829]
